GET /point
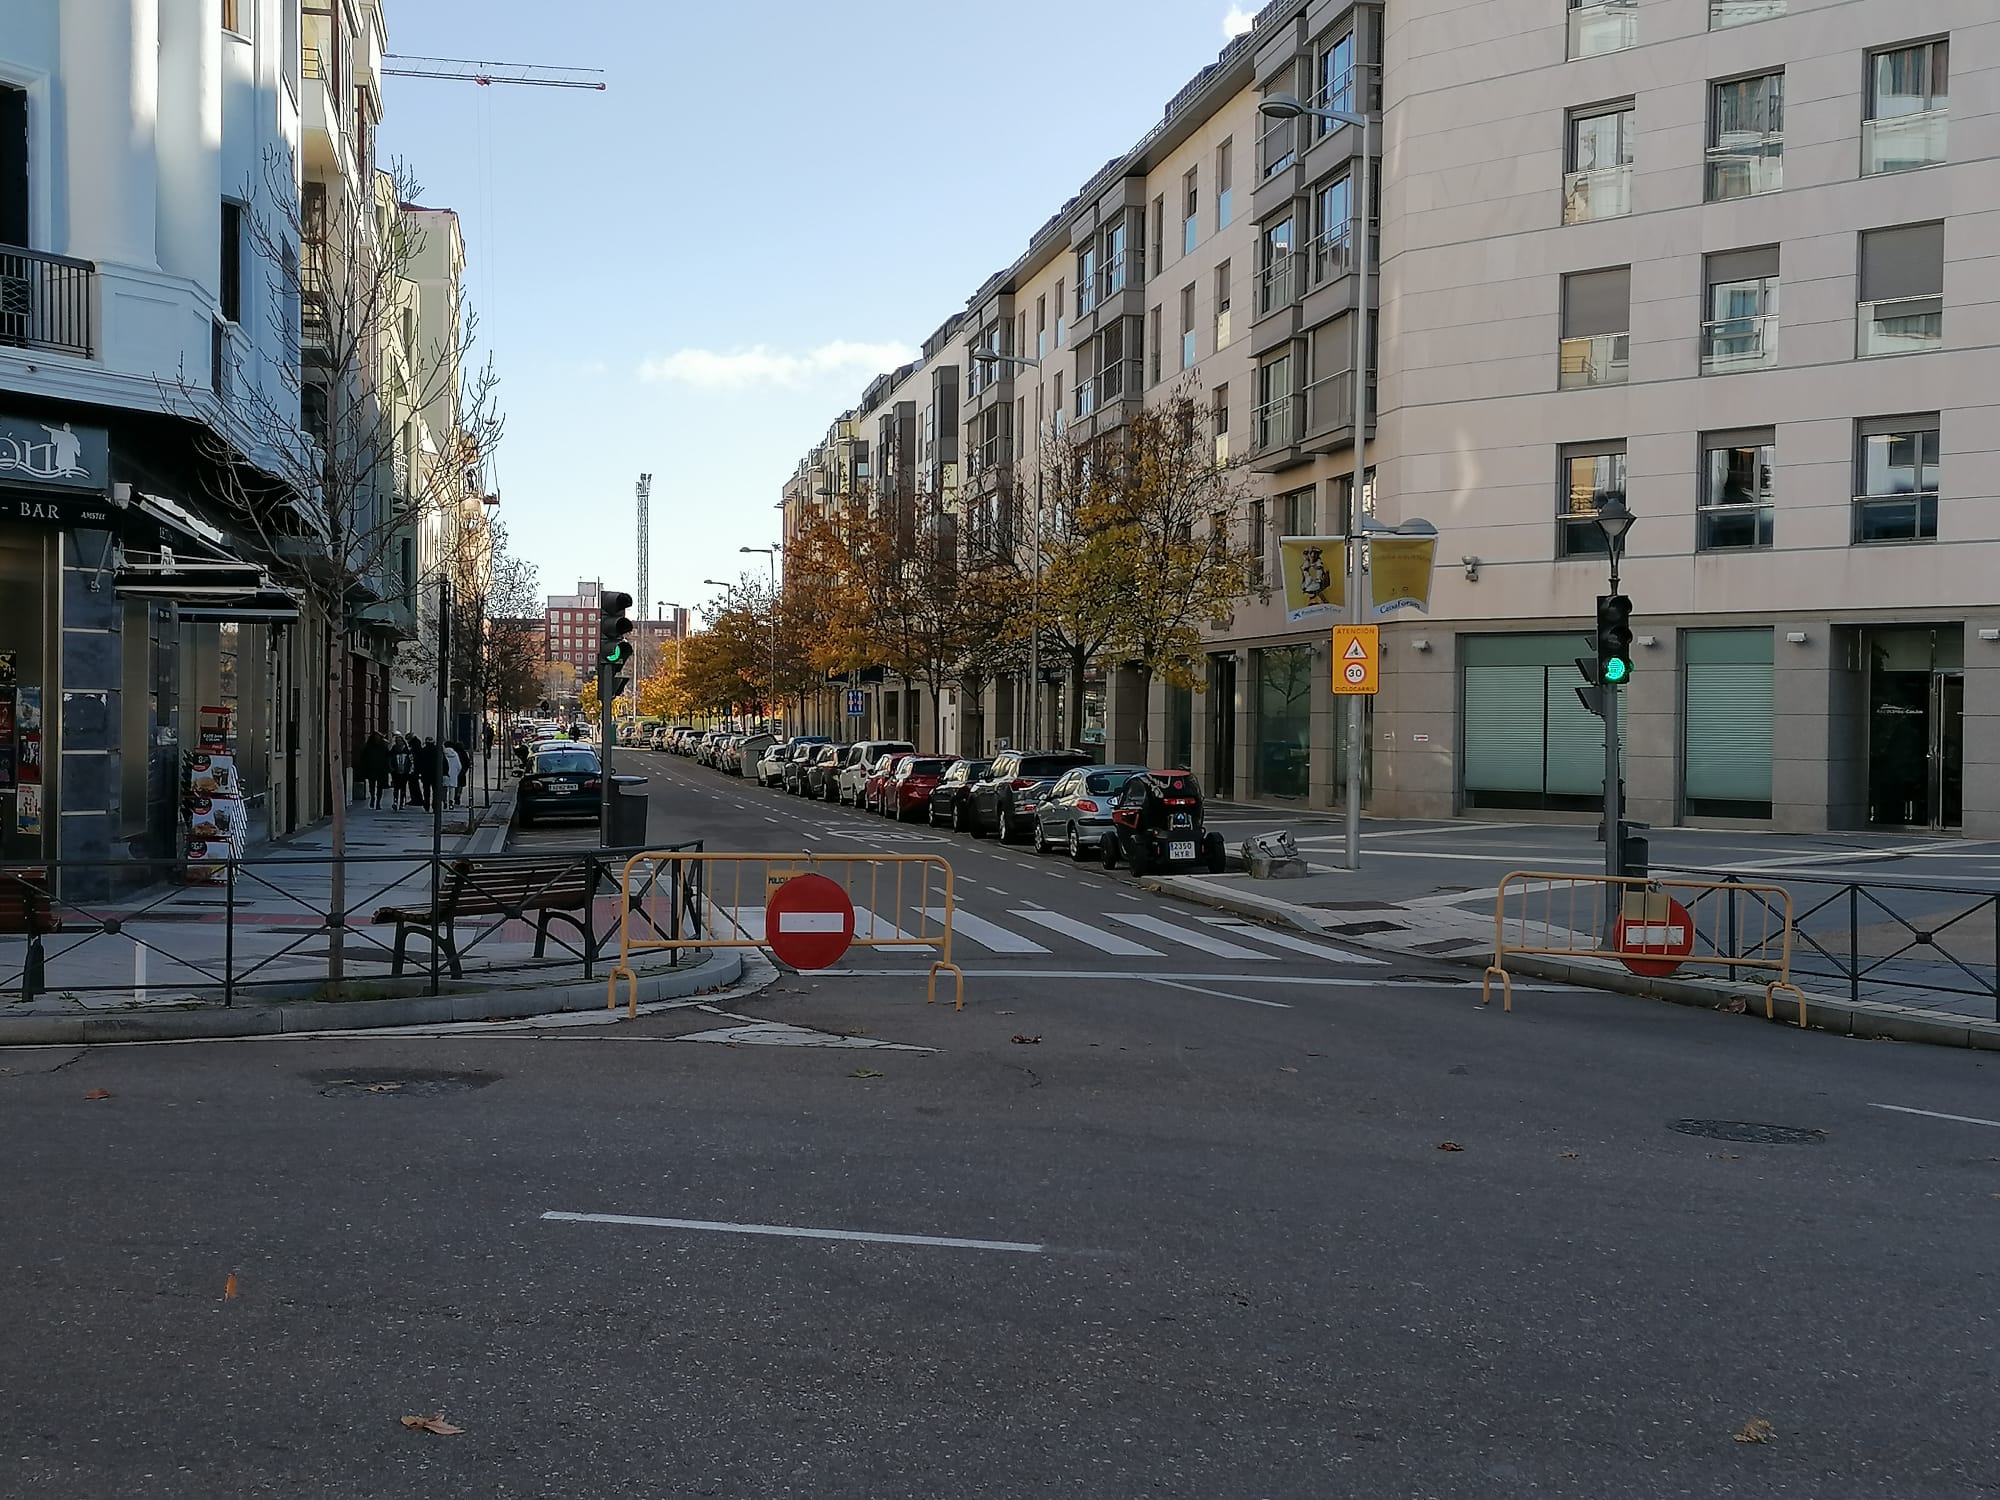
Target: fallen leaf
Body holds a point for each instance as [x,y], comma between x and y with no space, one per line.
[383,1088]
[1027,1041]
[1756,1430]
[1571,1155]
[864,1073]
[435,1424]
[229,1288]
[1450,1146]
[98,1094]
[1288,1070]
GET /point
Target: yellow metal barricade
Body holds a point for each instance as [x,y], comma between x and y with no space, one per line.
[675,899]
[1730,925]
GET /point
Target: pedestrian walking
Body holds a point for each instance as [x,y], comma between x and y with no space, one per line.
[428,765]
[374,768]
[402,767]
[454,772]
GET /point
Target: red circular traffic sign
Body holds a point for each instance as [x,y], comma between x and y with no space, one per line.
[808,922]
[1670,934]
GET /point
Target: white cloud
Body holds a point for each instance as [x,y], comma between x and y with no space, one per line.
[1237,21]
[713,370]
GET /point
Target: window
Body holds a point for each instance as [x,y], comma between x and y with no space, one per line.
[1113,255]
[1086,280]
[1329,390]
[1277,139]
[1190,211]
[1153,338]
[1907,91]
[1901,307]
[1259,542]
[1159,234]
[1042,325]
[231,287]
[1592,473]
[13,166]
[1746,137]
[1219,409]
[1597,26]
[1599,182]
[1187,327]
[1896,473]
[1058,405]
[1739,328]
[1059,321]
[1274,272]
[1275,423]
[1333,82]
[1225,180]
[1596,328]
[1333,231]
[1736,472]
[1222,306]
[1298,512]
[1726,13]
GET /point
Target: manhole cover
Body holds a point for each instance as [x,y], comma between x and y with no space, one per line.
[1749,1132]
[337,1083]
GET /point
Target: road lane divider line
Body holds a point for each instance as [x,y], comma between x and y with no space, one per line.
[787,1231]
[1932,1114]
[1196,989]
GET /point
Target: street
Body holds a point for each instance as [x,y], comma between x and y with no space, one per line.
[1184,1221]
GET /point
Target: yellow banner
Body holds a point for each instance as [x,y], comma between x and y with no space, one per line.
[1399,573]
[1314,569]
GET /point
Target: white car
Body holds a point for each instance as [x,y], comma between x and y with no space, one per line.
[859,760]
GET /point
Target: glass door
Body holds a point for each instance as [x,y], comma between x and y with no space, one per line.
[1947,750]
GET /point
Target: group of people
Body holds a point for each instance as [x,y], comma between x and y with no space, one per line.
[415,772]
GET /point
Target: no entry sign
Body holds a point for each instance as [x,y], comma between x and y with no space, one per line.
[808,922]
[1669,933]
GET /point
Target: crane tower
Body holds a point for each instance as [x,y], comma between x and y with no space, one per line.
[644,492]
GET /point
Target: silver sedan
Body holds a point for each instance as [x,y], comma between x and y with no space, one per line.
[1077,811]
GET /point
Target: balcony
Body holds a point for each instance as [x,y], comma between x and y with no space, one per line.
[1903,143]
[1276,425]
[45,302]
[1119,381]
[1598,359]
[1723,14]
[1602,193]
[1610,26]
[1899,325]
[1746,168]
[1730,345]
[1278,284]
[1333,254]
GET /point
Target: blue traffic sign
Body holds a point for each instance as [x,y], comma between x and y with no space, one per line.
[857,703]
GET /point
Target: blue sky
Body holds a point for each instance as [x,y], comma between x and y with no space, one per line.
[695,271]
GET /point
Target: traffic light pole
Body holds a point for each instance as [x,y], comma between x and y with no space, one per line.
[1614,811]
[606,727]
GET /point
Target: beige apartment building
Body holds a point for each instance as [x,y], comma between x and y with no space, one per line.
[1587,216]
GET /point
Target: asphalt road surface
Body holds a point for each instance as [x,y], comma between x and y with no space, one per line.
[1135,1224]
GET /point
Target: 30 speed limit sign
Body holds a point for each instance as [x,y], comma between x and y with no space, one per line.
[1356,650]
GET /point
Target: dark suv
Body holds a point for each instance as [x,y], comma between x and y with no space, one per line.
[1006,800]
[949,798]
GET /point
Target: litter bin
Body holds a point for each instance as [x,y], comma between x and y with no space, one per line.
[628,812]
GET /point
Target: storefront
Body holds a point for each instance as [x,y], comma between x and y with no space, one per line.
[1527,742]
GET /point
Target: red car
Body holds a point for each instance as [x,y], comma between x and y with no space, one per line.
[908,794]
[877,784]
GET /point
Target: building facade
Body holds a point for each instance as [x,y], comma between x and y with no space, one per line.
[1584,218]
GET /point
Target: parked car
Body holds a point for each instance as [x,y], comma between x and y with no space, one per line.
[771,762]
[874,794]
[948,800]
[1004,803]
[725,753]
[563,782]
[792,776]
[822,772]
[1158,824]
[908,794]
[855,772]
[746,759]
[1076,814]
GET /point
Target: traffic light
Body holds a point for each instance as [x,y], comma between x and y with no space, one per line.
[1614,639]
[614,650]
[1592,696]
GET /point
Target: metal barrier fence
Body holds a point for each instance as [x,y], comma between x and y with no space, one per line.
[676,899]
[102,927]
[1661,926]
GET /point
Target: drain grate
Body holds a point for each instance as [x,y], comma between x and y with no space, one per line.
[1749,1133]
[336,1083]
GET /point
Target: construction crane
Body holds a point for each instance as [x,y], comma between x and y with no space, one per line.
[469,70]
[643,493]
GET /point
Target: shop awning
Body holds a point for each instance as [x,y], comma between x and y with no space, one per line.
[207,590]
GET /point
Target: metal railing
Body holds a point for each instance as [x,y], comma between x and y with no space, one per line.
[1330,402]
[1278,283]
[1898,325]
[1601,193]
[1732,344]
[1743,169]
[1276,423]
[1610,26]
[1902,143]
[1725,13]
[1594,359]
[1277,145]
[1904,517]
[1332,253]
[45,301]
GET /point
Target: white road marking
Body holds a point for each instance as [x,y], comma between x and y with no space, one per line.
[1198,940]
[880,929]
[1083,932]
[1309,981]
[1195,989]
[993,888]
[1285,940]
[1931,1114]
[988,935]
[789,1232]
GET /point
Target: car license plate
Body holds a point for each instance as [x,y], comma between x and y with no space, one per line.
[562,786]
[1182,850]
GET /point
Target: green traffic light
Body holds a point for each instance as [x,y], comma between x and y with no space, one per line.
[1616,670]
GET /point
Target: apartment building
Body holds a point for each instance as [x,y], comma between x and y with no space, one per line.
[1586,216]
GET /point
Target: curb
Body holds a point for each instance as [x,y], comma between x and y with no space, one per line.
[718,971]
[1850,1018]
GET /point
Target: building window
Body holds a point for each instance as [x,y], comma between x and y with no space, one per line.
[1159,234]
[1901,307]
[1059,320]
[1333,231]
[1596,328]
[231,281]
[1736,473]
[1896,470]
[1333,82]
[1113,255]
[1740,328]
[1330,388]
[1276,425]
[1298,512]
[1597,26]
[1086,280]
[1599,181]
[1284,677]
[1723,14]
[1259,542]
[1219,408]
[1042,326]
[1907,94]
[1191,210]
[1225,180]
[1187,327]
[1222,306]
[1746,137]
[1727,723]
[1277,139]
[1153,356]
[1274,270]
[232,19]
[1592,473]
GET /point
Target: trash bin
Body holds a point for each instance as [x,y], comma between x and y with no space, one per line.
[628,812]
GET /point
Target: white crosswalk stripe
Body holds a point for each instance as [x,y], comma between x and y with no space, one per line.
[1238,928]
[1202,941]
[988,935]
[1083,932]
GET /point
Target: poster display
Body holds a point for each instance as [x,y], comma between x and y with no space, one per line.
[1314,570]
[28,808]
[28,740]
[217,819]
[1399,573]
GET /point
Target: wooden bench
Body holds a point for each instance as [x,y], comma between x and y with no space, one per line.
[554,891]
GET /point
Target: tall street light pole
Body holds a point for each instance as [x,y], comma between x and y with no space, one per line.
[1288,107]
[994,357]
[771,554]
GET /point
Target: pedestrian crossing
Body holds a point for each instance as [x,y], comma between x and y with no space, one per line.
[1034,931]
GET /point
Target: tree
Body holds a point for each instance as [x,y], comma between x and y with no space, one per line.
[1073,593]
[319,464]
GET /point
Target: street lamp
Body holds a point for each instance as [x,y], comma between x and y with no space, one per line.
[771,552]
[1288,107]
[1613,520]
